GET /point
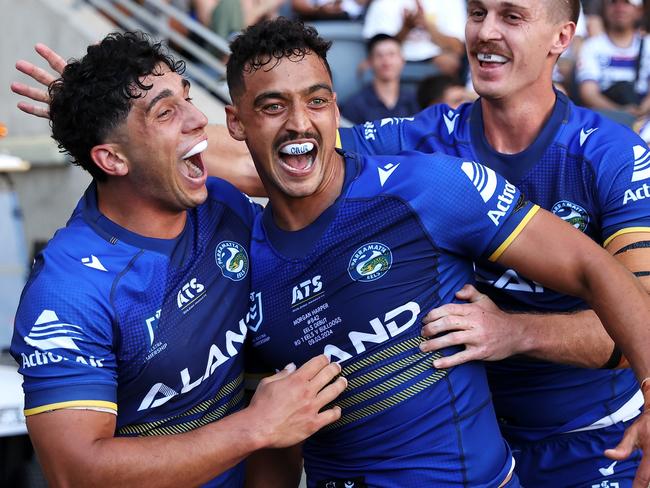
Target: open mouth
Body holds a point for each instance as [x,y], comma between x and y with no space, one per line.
[298,157]
[193,160]
[491,59]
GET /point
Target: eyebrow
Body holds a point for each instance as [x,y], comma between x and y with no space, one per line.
[276,94]
[164,94]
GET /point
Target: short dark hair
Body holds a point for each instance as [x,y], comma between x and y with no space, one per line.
[376,39]
[94,94]
[267,43]
[565,9]
[432,88]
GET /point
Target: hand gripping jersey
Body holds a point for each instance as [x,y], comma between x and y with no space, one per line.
[587,170]
[150,328]
[355,284]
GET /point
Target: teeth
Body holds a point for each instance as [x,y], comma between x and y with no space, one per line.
[193,170]
[200,147]
[491,58]
[297,149]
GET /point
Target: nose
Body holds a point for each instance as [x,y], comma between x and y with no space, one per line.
[194,118]
[488,28]
[298,118]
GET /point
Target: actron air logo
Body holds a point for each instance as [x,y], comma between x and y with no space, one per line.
[641,163]
[483,178]
[49,332]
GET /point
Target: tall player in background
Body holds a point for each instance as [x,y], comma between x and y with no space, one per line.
[558,418]
[351,251]
[558,154]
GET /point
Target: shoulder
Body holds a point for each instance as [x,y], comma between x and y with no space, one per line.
[598,139]
[223,193]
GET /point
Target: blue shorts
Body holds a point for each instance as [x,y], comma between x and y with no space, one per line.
[575,460]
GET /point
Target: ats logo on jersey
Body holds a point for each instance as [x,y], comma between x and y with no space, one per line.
[189,295]
[572,213]
[232,259]
[370,262]
[306,291]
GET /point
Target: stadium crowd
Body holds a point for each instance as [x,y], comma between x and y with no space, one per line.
[532,90]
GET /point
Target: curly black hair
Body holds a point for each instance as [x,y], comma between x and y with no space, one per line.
[94,94]
[268,42]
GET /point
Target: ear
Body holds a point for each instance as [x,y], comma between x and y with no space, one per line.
[235,127]
[109,159]
[563,38]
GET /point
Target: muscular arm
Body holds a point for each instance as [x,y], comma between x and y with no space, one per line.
[77,447]
[571,338]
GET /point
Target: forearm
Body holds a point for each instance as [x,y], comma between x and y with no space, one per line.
[188,459]
[578,339]
[624,314]
[446,43]
[229,159]
[593,98]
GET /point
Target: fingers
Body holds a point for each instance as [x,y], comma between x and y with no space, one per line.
[469,294]
[624,448]
[448,309]
[312,367]
[33,71]
[455,359]
[56,62]
[36,94]
[444,324]
[332,391]
[328,416]
[43,112]
[447,340]
[325,376]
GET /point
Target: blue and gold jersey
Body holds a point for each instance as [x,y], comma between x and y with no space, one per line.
[355,284]
[585,169]
[150,328]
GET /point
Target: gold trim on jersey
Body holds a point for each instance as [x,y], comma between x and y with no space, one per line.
[392,375]
[513,235]
[339,144]
[158,427]
[629,230]
[71,404]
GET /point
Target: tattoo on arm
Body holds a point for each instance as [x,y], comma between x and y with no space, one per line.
[633,246]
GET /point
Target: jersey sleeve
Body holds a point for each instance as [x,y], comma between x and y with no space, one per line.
[391,135]
[623,181]
[467,208]
[63,343]
[241,203]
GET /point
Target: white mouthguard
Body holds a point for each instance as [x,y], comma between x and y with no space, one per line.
[200,147]
[297,149]
[494,58]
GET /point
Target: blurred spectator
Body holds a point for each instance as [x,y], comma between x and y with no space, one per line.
[228,17]
[442,89]
[613,67]
[383,97]
[329,9]
[429,29]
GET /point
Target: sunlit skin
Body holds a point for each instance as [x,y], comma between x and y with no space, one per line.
[524,40]
[144,160]
[291,102]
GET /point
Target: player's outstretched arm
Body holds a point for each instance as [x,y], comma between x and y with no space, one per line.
[77,447]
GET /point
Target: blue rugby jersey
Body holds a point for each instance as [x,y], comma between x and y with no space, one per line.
[152,328]
[355,284]
[585,169]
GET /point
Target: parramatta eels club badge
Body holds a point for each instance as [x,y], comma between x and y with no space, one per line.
[232,259]
[370,262]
